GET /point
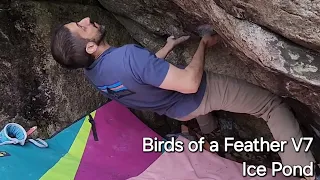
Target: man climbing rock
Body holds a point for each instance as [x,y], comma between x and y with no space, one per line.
[143,80]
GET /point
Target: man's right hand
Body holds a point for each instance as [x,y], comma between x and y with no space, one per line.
[210,40]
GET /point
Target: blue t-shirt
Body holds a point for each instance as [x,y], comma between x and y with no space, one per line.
[131,75]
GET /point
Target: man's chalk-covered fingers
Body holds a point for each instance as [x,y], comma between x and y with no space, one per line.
[182,39]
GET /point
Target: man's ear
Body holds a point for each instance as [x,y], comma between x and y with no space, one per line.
[91,47]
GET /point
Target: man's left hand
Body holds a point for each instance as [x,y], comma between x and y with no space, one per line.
[172,42]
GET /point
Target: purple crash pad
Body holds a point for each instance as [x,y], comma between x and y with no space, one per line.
[118,153]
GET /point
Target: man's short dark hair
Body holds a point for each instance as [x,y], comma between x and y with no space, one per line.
[69,50]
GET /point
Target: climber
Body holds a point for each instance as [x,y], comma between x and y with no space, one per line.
[142,80]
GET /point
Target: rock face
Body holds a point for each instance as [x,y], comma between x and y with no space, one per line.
[275,50]
[34,90]
[295,68]
[271,44]
[296,20]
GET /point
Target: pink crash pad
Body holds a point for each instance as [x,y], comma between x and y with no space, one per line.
[118,154]
[198,166]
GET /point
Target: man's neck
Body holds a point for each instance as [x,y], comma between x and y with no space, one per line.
[102,48]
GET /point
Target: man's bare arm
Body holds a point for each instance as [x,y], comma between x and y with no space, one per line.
[163,52]
[188,80]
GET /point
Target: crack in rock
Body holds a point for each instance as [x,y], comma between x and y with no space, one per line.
[4,35]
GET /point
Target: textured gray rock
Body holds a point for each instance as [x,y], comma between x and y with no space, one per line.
[298,21]
[4,4]
[270,51]
[34,89]
[161,17]
[287,69]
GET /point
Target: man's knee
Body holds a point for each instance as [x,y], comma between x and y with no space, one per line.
[274,106]
[280,106]
[281,120]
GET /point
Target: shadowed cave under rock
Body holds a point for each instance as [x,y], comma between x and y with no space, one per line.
[279,53]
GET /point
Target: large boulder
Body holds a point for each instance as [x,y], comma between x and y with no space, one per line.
[249,51]
[265,43]
[296,20]
[34,89]
[279,65]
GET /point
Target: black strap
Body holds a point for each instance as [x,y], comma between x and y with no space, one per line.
[93,128]
[316,171]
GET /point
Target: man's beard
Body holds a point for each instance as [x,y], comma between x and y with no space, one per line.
[102,33]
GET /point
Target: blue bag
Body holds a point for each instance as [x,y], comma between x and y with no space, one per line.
[14,133]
